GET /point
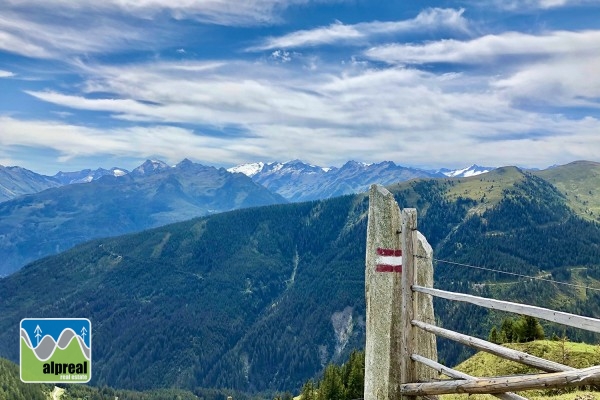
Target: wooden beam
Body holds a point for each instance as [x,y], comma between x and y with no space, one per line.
[452,373]
[500,351]
[577,321]
[407,335]
[587,376]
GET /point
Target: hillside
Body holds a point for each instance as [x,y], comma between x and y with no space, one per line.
[11,387]
[263,298]
[580,182]
[578,355]
[346,382]
[48,222]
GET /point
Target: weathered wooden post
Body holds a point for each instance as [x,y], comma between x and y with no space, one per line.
[408,371]
[387,329]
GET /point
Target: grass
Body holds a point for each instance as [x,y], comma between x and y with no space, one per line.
[578,355]
[487,187]
[580,182]
[572,395]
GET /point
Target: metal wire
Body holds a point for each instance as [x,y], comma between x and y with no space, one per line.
[519,275]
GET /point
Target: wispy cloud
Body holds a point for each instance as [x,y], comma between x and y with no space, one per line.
[6,74]
[490,48]
[429,19]
[322,117]
[55,38]
[555,68]
[525,5]
[71,141]
[437,101]
[64,28]
[223,12]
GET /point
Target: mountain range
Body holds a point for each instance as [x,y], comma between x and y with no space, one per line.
[263,298]
[47,222]
[82,205]
[298,181]
[294,180]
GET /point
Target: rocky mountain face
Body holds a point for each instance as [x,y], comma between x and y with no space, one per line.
[17,181]
[298,181]
[87,175]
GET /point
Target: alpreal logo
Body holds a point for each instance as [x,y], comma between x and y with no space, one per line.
[56,350]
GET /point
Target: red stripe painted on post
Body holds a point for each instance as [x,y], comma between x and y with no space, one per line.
[389,252]
[388,268]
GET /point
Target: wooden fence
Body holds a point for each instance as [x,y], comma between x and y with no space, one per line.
[400,353]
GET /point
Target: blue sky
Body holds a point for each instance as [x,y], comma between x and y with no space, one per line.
[87,84]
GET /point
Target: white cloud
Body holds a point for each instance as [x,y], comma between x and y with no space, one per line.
[65,28]
[23,35]
[556,68]
[223,12]
[566,82]
[526,5]
[71,141]
[6,74]
[429,19]
[324,117]
[281,56]
[490,48]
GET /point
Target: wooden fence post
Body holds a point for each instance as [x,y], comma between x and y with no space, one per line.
[409,228]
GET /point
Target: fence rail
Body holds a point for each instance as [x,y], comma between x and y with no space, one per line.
[576,321]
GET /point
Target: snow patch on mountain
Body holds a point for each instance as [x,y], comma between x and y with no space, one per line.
[150,167]
[472,170]
[87,175]
[249,169]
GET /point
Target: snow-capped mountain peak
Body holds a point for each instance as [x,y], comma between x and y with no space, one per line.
[150,167]
[292,167]
[249,169]
[87,175]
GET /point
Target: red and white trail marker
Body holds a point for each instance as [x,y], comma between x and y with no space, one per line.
[388,260]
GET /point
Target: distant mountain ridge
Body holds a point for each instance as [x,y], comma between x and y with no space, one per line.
[88,175]
[294,180]
[299,181]
[48,222]
[17,181]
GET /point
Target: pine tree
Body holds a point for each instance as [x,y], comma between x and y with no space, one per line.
[493,337]
[308,391]
[355,383]
[331,387]
[528,329]
[507,330]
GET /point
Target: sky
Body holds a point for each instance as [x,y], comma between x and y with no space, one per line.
[427,84]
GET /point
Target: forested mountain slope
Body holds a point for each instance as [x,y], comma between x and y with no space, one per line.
[51,221]
[264,298]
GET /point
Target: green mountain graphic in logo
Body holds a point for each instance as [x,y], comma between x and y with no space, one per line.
[56,350]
